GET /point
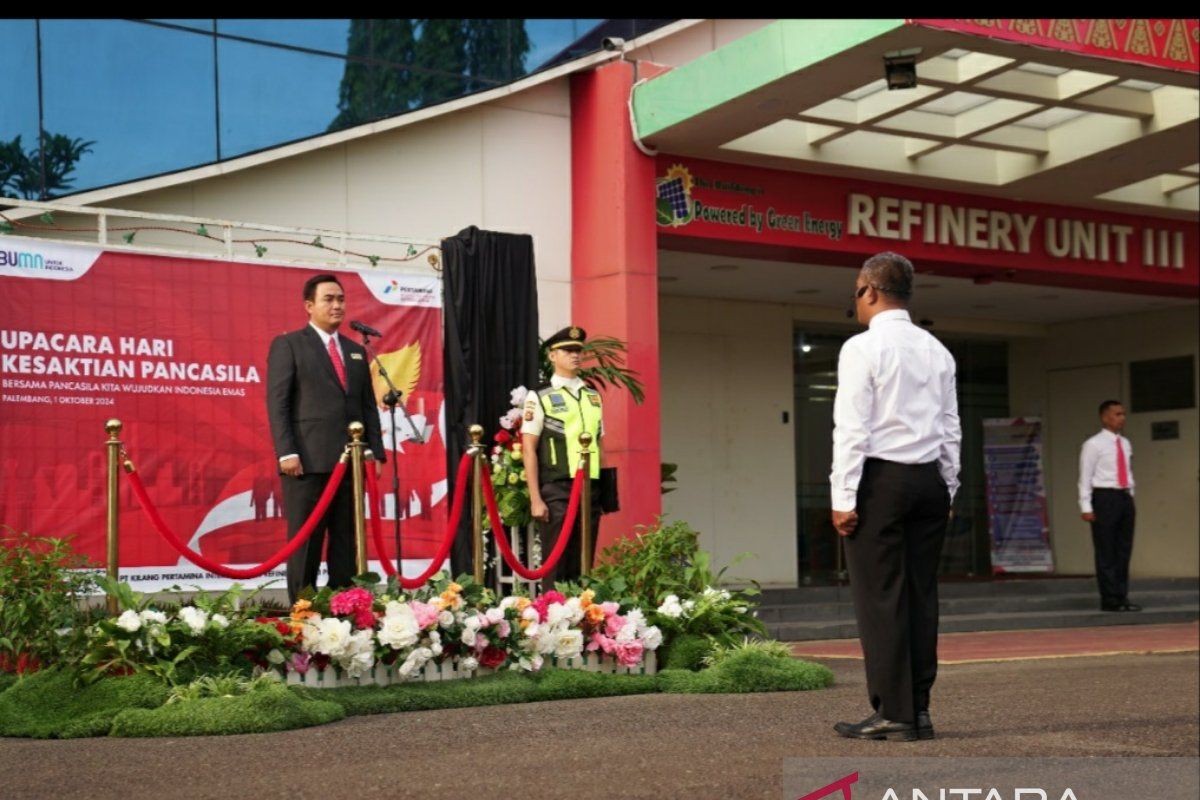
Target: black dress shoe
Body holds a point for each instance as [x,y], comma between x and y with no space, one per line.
[1112,607]
[876,727]
[924,725]
[1131,607]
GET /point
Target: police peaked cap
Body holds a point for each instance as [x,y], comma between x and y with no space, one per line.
[567,337]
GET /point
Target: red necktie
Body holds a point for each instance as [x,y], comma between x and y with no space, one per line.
[335,354]
[1122,468]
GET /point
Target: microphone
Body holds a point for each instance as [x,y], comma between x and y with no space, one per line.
[364,329]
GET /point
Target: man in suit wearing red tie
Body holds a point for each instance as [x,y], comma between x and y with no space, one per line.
[1106,501]
[318,383]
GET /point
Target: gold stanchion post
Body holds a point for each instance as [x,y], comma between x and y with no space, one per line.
[476,432]
[113,427]
[585,507]
[357,444]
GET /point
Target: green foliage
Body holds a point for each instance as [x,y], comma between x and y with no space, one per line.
[40,591]
[212,636]
[229,684]
[268,706]
[508,481]
[720,652]
[687,651]
[667,475]
[48,704]
[749,670]
[7,679]
[21,171]
[602,365]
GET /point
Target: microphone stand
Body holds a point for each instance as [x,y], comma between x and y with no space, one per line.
[391,400]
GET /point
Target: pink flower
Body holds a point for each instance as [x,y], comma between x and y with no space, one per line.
[614,624]
[480,641]
[300,662]
[601,642]
[426,614]
[503,629]
[610,608]
[629,654]
[543,603]
[351,600]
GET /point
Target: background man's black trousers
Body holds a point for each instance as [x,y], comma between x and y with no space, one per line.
[1112,540]
[893,558]
[300,496]
[557,496]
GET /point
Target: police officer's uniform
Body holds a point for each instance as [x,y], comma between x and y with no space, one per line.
[557,413]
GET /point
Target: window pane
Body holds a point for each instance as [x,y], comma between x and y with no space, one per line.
[550,37]
[205,25]
[142,95]
[20,173]
[328,35]
[270,96]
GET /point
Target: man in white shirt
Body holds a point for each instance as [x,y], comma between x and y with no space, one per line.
[555,414]
[895,471]
[1106,501]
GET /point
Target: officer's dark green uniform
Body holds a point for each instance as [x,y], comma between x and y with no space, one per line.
[558,412]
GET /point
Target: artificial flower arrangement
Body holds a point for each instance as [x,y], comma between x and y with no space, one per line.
[508,466]
[353,630]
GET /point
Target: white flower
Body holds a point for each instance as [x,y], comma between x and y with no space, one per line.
[670,607]
[358,664]
[332,636]
[547,641]
[530,613]
[635,619]
[276,656]
[508,602]
[557,613]
[517,396]
[576,610]
[468,637]
[220,620]
[446,619]
[398,628]
[651,637]
[514,417]
[628,632]
[436,649]
[474,623]
[469,663]
[532,630]
[494,615]
[569,643]
[194,618]
[740,609]
[506,423]
[151,616]
[688,605]
[435,637]
[129,621]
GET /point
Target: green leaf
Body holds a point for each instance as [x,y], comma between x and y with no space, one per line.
[5,226]
[317,242]
[202,231]
[374,260]
[47,218]
[412,251]
[129,237]
[260,249]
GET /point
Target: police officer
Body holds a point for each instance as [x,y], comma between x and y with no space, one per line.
[555,415]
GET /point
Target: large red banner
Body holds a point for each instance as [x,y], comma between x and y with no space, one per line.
[176,349]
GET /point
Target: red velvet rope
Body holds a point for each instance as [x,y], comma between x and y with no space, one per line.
[139,490]
[564,535]
[456,511]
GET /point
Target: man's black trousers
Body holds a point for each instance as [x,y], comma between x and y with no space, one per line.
[1112,540]
[300,496]
[557,496]
[893,558]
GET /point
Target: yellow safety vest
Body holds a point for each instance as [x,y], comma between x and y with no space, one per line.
[566,417]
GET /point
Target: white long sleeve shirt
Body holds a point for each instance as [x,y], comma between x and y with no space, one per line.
[895,401]
[1098,466]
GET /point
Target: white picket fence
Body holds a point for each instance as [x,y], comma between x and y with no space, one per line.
[386,675]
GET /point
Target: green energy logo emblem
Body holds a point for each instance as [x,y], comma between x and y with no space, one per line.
[675,206]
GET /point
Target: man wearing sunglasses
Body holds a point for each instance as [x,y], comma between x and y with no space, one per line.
[895,471]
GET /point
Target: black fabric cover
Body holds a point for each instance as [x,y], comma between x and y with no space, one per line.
[491,347]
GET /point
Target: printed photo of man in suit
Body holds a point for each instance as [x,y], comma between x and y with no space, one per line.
[318,383]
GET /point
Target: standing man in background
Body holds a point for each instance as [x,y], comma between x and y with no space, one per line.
[554,416]
[317,384]
[1106,501]
[895,471]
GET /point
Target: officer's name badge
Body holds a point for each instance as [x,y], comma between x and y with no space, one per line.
[356,356]
[557,401]
[595,399]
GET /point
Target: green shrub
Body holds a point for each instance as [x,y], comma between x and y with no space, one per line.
[269,706]
[749,670]
[6,680]
[720,652]
[49,705]
[687,651]
[40,590]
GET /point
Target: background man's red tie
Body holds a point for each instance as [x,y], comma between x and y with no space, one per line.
[335,353]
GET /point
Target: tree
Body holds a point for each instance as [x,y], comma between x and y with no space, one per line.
[21,171]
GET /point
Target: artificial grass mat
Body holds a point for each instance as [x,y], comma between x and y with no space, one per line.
[48,704]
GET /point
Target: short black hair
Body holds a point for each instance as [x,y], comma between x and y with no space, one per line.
[890,273]
[310,285]
[1107,404]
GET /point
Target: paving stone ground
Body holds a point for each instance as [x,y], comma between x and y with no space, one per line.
[655,746]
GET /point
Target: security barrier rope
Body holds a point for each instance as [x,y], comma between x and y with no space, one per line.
[564,535]
[139,490]
[456,511]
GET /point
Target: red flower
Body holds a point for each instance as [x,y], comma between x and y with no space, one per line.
[503,437]
[364,618]
[542,604]
[492,657]
[283,628]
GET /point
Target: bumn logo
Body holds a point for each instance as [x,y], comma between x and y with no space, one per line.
[841,784]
